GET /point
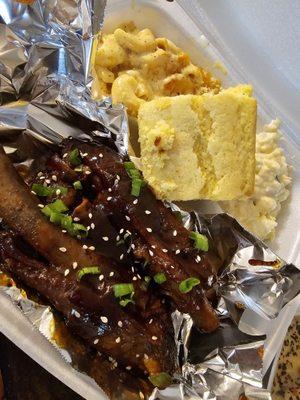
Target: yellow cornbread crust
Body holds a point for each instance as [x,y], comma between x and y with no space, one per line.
[200,147]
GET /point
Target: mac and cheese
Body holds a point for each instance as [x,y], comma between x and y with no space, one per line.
[134,66]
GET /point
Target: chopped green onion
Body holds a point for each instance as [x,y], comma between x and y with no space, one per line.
[79,229]
[86,271]
[123,289]
[58,206]
[79,168]
[160,278]
[41,190]
[45,191]
[160,380]
[200,241]
[188,284]
[136,187]
[74,158]
[129,165]
[56,218]
[66,222]
[77,185]
[147,279]
[137,181]
[124,302]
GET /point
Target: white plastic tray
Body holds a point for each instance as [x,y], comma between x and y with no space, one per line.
[170,20]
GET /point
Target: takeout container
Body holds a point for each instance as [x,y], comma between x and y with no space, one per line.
[172,21]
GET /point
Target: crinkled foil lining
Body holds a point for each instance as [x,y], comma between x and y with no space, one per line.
[44,87]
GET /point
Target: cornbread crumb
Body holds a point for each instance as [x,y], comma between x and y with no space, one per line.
[199,147]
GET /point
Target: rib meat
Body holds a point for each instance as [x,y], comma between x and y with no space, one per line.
[89,306]
[165,242]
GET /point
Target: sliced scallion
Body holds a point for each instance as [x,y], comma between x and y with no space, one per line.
[123,289]
[136,187]
[74,157]
[200,241]
[87,271]
[41,190]
[160,278]
[161,380]
[77,185]
[124,302]
[188,284]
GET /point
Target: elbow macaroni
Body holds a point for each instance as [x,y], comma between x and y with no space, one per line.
[133,66]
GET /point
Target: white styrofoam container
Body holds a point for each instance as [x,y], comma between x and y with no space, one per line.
[187,28]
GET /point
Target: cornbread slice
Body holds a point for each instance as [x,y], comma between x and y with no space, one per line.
[200,147]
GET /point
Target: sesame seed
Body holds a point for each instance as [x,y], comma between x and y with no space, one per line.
[151,320]
[65,155]
[128,368]
[132,269]
[175,233]
[62,249]
[118,177]
[177,251]
[40,174]
[120,324]
[105,238]
[47,181]
[41,205]
[135,201]
[172,266]
[67,271]
[31,191]
[109,198]
[118,340]
[101,155]
[118,238]
[88,172]
[77,314]
[88,228]
[42,177]
[76,219]
[64,231]
[165,250]
[154,337]
[83,154]
[75,264]
[151,252]
[110,359]
[92,225]
[96,341]
[133,246]
[58,192]
[149,229]
[127,218]
[139,276]
[121,256]
[134,278]
[109,189]
[121,230]
[92,248]
[142,395]
[84,247]
[101,277]
[54,178]
[146,356]
[104,320]
[78,236]
[137,355]
[198,259]
[111,274]
[90,215]
[153,246]
[147,212]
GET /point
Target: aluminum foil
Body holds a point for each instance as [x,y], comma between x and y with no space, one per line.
[45,58]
